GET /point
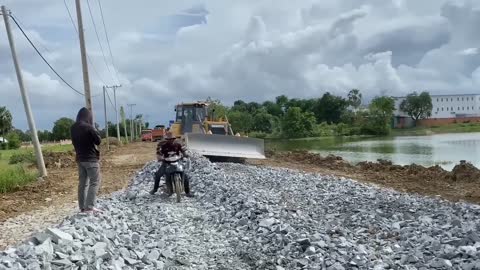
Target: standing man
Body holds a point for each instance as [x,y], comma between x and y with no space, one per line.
[85,139]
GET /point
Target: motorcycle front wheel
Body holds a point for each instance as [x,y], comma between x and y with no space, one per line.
[178,186]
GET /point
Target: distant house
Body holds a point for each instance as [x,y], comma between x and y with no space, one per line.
[3,140]
[446,109]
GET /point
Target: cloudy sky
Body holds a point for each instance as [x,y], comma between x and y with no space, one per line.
[183,50]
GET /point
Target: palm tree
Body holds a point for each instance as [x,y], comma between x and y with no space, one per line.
[5,121]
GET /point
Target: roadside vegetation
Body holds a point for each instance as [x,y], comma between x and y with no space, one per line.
[17,159]
[329,115]
[450,128]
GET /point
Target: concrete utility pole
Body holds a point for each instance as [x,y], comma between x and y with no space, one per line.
[83,52]
[106,119]
[25,98]
[116,111]
[132,130]
[122,114]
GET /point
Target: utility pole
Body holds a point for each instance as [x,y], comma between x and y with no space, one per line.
[114,87]
[132,130]
[106,119]
[83,52]
[25,98]
[140,126]
[122,114]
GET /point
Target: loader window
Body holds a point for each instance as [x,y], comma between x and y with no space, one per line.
[179,114]
[188,113]
[200,114]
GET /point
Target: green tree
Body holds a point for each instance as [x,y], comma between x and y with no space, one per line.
[329,108]
[147,125]
[355,98]
[379,117]
[23,136]
[263,121]
[383,106]
[13,140]
[282,102]
[241,121]
[298,124]
[273,108]
[5,121]
[417,106]
[216,109]
[61,128]
[45,136]
[239,105]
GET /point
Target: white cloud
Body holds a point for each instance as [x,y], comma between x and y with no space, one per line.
[469,51]
[173,51]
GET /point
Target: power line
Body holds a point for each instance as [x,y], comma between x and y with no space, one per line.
[108,95]
[98,37]
[108,40]
[88,57]
[38,41]
[40,54]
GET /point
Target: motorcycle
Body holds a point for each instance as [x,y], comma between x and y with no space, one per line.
[175,173]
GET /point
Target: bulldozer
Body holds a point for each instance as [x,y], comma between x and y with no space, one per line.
[212,136]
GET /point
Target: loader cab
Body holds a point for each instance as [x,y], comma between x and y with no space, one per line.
[190,117]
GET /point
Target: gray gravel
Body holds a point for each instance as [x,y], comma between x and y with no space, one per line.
[246,217]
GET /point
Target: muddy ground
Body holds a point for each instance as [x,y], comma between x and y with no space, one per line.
[462,184]
[60,187]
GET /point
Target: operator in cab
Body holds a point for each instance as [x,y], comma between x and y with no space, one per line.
[168,148]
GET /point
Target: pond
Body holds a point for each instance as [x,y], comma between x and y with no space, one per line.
[445,150]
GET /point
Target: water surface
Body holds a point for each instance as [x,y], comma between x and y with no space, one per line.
[445,150]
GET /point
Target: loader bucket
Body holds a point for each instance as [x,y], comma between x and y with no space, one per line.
[225,146]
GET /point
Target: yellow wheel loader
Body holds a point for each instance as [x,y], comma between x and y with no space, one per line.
[211,136]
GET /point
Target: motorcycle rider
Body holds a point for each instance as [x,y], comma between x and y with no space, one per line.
[166,149]
[161,171]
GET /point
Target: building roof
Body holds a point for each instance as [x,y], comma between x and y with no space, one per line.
[449,95]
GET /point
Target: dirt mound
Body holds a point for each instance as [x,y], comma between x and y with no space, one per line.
[465,172]
[330,161]
[111,141]
[59,159]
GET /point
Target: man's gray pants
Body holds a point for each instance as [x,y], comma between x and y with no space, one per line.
[88,184]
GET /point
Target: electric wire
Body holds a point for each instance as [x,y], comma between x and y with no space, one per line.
[43,58]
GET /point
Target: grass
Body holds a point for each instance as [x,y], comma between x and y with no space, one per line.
[14,176]
[452,128]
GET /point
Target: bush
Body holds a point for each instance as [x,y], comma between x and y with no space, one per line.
[14,141]
[3,146]
[23,157]
[11,178]
[342,129]
[258,134]
[324,130]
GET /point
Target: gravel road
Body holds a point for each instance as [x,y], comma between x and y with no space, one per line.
[246,217]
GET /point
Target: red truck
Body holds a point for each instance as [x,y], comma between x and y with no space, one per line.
[158,133]
[146,135]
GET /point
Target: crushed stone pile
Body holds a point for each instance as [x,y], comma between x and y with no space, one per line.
[246,217]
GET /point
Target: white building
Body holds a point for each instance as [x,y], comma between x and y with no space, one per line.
[448,106]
